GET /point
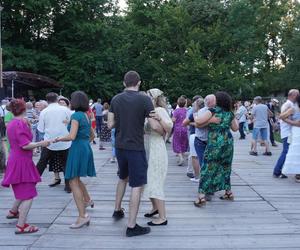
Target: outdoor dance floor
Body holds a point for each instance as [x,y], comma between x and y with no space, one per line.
[265,214]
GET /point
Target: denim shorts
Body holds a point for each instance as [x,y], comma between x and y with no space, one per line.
[200,147]
[132,164]
[263,133]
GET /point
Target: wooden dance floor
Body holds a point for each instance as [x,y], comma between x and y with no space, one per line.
[265,214]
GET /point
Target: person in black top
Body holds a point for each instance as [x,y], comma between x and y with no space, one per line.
[272,119]
[127,115]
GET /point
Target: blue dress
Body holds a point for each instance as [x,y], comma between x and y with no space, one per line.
[80,161]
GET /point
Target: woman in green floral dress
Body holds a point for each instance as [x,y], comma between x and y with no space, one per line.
[216,170]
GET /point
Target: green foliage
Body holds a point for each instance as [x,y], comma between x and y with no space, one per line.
[189,47]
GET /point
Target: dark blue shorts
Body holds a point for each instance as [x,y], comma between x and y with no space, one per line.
[132,164]
[200,147]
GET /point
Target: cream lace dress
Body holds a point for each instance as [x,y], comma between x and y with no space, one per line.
[157,160]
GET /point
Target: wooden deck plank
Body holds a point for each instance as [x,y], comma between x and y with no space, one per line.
[265,214]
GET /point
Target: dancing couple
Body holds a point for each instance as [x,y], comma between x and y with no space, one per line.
[127,115]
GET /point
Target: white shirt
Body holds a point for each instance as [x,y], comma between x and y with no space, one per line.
[285,128]
[3,111]
[241,113]
[52,123]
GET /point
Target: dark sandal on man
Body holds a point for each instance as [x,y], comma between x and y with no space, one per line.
[200,202]
[149,215]
[227,196]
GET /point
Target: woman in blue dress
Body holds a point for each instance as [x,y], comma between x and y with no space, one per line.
[80,161]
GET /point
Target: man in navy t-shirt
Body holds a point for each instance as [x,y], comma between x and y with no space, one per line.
[127,115]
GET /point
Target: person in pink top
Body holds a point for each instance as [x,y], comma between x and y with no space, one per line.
[21,173]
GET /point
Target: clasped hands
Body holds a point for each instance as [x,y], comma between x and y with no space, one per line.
[47,143]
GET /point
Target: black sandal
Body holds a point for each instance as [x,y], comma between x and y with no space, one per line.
[227,196]
[149,215]
[55,183]
[200,202]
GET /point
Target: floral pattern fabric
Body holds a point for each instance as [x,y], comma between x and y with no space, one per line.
[216,169]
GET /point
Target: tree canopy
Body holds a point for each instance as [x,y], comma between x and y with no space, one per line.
[190,47]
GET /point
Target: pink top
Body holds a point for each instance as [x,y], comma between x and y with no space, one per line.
[20,166]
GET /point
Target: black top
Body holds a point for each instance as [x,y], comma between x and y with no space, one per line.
[130,109]
[272,109]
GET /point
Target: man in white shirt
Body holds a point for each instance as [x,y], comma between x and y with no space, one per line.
[241,116]
[53,122]
[285,132]
[3,112]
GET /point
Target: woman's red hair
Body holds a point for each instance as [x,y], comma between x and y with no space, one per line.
[17,106]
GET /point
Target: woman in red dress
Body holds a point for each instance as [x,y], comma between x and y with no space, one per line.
[91,115]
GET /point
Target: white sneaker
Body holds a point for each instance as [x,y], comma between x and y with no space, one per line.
[195,180]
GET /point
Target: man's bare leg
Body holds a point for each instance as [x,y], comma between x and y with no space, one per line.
[121,188]
[134,205]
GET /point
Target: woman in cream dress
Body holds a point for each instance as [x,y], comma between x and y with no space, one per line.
[158,160]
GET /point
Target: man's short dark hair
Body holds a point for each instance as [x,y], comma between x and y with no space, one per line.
[79,101]
[52,97]
[132,78]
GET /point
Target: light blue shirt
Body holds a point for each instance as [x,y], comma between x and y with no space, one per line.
[99,109]
[261,116]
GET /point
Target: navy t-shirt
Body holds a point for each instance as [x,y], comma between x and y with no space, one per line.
[130,109]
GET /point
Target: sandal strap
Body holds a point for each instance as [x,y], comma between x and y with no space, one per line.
[31,228]
[22,228]
[200,201]
[13,213]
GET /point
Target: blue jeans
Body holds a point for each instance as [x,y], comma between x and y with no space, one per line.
[200,147]
[98,124]
[281,160]
[113,142]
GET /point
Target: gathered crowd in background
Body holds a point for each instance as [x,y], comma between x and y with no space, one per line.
[137,125]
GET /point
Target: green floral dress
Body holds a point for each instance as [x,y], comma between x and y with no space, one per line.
[216,169]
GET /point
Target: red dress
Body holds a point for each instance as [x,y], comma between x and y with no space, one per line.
[92,114]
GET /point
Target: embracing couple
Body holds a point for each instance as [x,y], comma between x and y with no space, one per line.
[128,112]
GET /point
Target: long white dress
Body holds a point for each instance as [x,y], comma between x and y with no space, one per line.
[292,163]
[157,161]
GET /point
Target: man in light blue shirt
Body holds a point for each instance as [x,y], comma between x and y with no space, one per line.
[99,116]
[260,115]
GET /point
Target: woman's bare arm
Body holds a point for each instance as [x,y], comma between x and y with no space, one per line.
[234,125]
[203,118]
[293,123]
[284,115]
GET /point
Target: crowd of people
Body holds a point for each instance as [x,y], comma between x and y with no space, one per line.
[138,125]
